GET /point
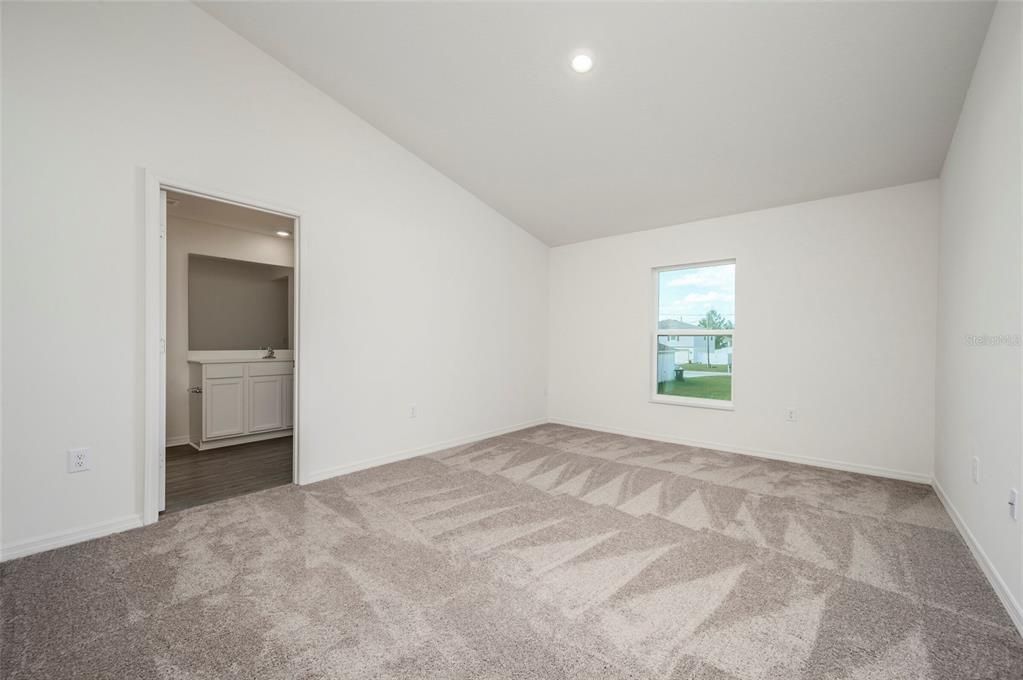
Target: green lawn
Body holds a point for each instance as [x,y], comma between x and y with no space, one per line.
[710,387]
[718,368]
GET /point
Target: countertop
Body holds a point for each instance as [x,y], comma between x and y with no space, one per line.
[237,360]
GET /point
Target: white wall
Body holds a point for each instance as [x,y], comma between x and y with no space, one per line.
[979,387]
[188,236]
[1,289]
[95,92]
[816,285]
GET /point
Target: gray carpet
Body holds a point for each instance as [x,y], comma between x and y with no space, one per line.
[552,552]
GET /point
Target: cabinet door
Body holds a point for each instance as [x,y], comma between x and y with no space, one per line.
[288,395]
[266,407]
[223,407]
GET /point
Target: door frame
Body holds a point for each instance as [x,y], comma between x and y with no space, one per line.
[154,332]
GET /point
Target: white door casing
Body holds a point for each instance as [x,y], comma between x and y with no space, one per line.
[162,485]
[154,186]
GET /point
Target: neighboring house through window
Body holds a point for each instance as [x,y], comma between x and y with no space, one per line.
[694,334]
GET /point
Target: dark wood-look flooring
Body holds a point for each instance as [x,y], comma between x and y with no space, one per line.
[199,477]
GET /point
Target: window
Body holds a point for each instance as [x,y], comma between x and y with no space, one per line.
[694,334]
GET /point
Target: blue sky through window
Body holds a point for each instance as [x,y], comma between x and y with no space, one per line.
[688,294]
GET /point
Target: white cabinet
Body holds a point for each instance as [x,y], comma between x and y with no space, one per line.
[266,403]
[288,394]
[223,412]
[240,402]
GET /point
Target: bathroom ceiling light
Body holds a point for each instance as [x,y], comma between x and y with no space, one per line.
[284,234]
[582,62]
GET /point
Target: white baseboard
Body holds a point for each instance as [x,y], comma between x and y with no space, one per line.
[243,439]
[99,529]
[412,453]
[1000,587]
[758,453]
[177,441]
[61,538]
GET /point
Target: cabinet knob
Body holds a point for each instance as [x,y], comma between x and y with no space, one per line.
[195,390]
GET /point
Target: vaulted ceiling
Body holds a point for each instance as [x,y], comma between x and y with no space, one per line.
[691,110]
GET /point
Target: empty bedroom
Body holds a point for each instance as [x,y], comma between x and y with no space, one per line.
[484,340]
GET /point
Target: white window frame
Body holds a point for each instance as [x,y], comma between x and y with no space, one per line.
[718,404]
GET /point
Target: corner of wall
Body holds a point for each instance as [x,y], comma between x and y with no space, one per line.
[981,249]
[1001,588]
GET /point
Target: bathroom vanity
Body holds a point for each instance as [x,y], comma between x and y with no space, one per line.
[234,401]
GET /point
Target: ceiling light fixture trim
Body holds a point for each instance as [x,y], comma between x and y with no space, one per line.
[582,61]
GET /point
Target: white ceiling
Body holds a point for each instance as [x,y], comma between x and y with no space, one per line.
[691,110]
[199,209]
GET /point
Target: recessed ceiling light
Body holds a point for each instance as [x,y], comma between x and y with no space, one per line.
[284,234]
[582,62]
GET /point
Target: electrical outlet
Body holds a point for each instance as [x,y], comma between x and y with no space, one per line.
[790,415]
[412,411]
[79,460]
[975,469]
[1013,503]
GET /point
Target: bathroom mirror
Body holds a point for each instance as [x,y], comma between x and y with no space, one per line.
[238,305]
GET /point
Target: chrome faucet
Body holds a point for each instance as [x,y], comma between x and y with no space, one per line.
[269,352]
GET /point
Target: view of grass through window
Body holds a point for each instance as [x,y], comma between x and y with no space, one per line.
[695,327]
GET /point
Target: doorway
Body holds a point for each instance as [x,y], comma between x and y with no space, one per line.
[222,369]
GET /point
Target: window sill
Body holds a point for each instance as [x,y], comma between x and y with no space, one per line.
[714,404]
